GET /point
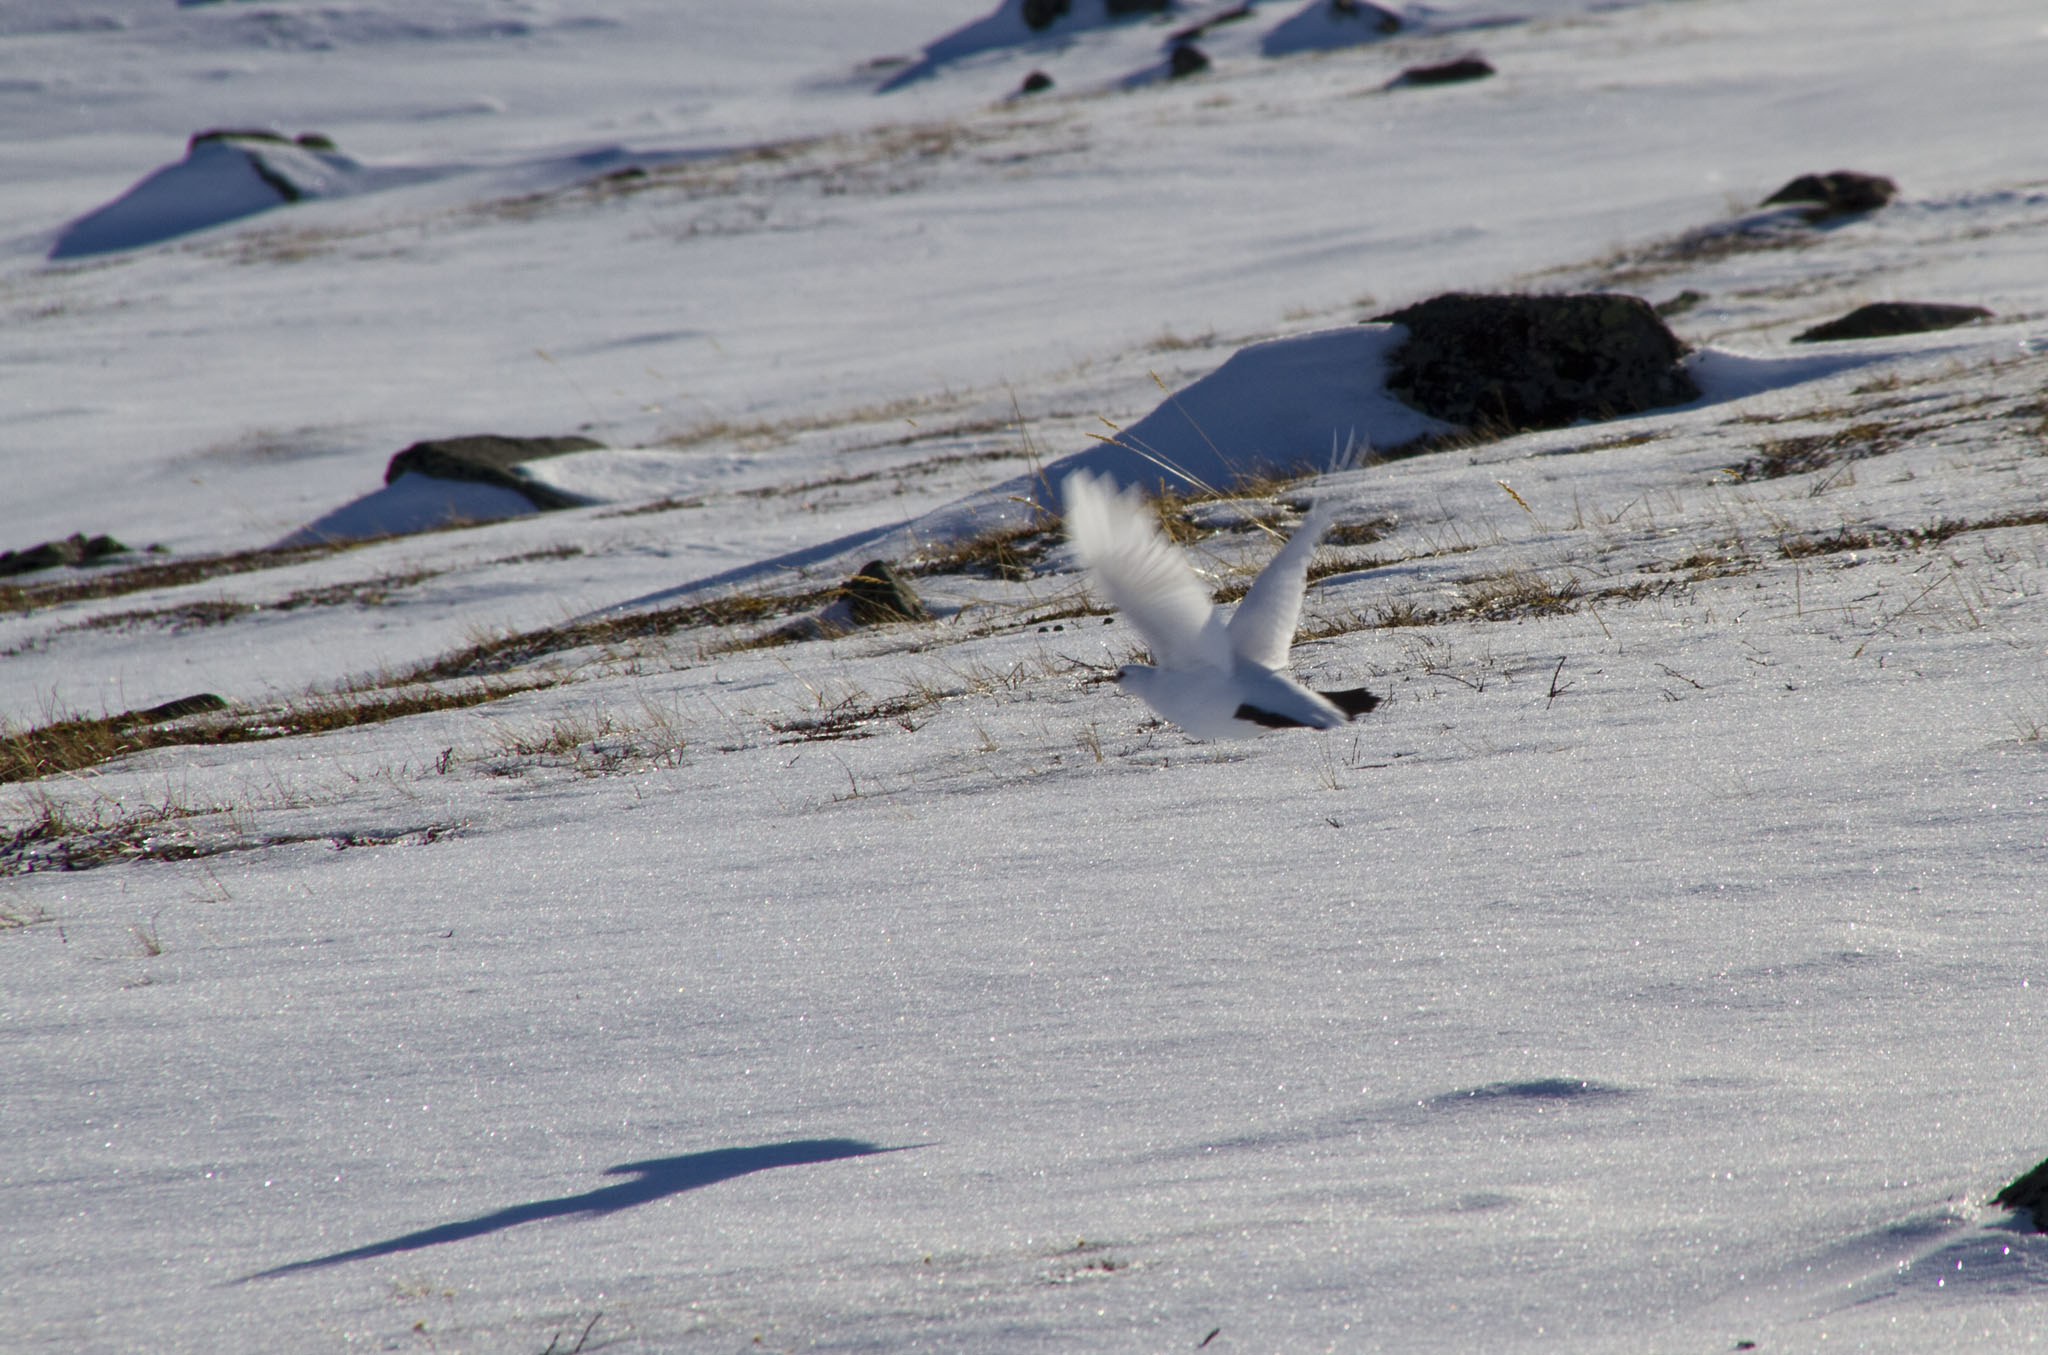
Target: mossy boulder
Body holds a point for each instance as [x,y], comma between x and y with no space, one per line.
[1508,363]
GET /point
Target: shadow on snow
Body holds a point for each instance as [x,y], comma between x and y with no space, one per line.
[652,1180]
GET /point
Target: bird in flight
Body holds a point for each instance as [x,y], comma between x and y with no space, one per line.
[1215,678]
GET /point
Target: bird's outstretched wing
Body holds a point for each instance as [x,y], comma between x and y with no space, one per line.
[1144,576]
[1262,628]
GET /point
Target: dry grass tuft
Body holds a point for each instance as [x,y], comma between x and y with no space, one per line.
[1012,553]
[1706,564]
[1798,455]
[215,611]
[56,837]
[600,744]
[1511,595]
[854,718]
[1909,538]
[1516,593]
[501,653]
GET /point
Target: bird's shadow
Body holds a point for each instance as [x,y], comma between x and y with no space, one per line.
[651,1180]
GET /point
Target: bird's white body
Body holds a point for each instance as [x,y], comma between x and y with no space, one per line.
[1215,678]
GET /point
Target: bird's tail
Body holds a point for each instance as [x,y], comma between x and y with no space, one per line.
[1354,703]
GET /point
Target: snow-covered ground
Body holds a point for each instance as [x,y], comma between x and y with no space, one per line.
[1653,972]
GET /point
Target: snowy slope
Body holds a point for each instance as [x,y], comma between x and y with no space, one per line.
[1655,971]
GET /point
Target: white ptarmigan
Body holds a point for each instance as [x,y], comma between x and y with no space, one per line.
[1214,678]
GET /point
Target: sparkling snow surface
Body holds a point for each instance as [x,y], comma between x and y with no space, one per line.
[1664,967]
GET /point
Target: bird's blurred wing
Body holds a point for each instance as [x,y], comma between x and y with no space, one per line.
[1262,628]
[1144,576]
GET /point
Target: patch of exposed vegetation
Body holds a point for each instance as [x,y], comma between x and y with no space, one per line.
[1706,564]
[1906,538]
[1012,553]
[598,744]
[928,466]
[1509,595]
[853,718]
[1359,533]
[58,838]
[1837,542]
[169,573]
[72,745]
[1762,233]
[545,553]
[1797,455]
[1636,439]
[514,649]
[214,611]
[667,505]
[881,159]
[1323,567]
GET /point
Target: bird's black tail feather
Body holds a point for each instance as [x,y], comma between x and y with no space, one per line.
[1269,719]
[1353,703]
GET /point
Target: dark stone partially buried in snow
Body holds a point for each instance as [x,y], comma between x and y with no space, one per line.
[1035,83]
[1446,73]
[198,704]
[312,141]
[1510,363]
[76,549]
[1042,13]
[1187,59]
[1383,19]
[878,595]
[1882,318]
[1842,192]
[1119,8]
[491,459]
[2029,1192]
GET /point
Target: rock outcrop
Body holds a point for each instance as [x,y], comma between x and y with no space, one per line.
[491,459]
[1512,363]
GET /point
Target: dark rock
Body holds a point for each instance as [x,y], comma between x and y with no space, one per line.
[490,459]
[236,134]
[315,141]
[174,710]
[1510,363]
[1119,8]
[1034,83]
[76,549]
[1893,317]
[1680,304]
[1841,192]
[1386,20]
[1447,73]
[2028,1191]
[1042,13]
[878,594]
[1187,59]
